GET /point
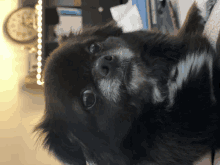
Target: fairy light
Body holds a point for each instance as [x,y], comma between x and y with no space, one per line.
[39,46]
[39,35]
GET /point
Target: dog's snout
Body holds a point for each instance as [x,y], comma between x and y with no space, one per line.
[106,65]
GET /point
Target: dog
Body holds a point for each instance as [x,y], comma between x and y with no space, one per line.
[137,98]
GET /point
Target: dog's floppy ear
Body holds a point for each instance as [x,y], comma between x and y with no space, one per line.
[194,22]
[58,143]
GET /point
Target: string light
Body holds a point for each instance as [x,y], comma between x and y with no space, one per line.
[40,2]
[39,58]
[39,35]
[39,47]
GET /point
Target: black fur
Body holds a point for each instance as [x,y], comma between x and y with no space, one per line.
[158,105]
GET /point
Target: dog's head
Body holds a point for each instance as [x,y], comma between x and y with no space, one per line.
[95,83]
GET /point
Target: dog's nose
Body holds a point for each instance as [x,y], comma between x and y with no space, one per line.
[106,65]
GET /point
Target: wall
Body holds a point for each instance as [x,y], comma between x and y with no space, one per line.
[19,110]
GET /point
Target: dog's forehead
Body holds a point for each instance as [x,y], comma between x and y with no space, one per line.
[68,68]
[115,41]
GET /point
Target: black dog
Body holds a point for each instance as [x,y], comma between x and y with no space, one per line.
[139,98]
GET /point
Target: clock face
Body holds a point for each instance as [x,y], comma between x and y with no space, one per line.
[19,25]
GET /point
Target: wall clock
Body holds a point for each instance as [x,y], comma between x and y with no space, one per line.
[19,26]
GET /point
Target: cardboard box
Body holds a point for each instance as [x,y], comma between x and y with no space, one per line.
[77,2]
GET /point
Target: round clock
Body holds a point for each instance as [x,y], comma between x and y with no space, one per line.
[19,26]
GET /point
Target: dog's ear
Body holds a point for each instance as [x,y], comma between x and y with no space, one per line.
[59,144]
[194,22]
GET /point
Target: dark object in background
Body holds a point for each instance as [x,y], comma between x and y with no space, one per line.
[49,47]
[29,3]
[162,15]
[51,16]
[173,18]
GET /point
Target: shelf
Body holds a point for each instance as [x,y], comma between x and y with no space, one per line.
[78,7]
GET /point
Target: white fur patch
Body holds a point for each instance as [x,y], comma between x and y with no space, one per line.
[191,65]
[122,53]
[157,97]
[110,89]
[138,78]
[90,163]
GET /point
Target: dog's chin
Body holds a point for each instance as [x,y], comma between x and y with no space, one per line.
[114,85]
[110,89]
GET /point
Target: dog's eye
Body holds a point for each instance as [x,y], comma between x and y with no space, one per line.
[89,99]
[95,48]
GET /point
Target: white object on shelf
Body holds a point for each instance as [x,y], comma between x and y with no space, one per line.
[127,16]
[118,12]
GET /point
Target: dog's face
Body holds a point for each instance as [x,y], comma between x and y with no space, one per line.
[95,84]
[91,73]
[107,94]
